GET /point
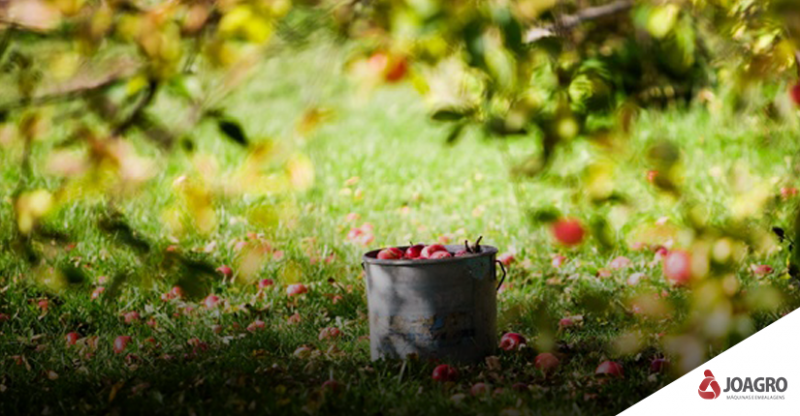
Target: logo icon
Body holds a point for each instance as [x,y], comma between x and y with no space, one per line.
[709,381]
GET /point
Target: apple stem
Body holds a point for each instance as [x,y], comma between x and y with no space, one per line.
[477,247]
[466,245]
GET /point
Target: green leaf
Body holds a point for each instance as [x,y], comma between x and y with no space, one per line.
[455,134]
[544,215]
[451,114]
[779,232]
[473,39]
[233,131]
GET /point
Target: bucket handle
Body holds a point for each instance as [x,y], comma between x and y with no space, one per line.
[502,279]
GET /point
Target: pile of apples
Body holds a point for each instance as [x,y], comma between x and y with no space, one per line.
[428,252]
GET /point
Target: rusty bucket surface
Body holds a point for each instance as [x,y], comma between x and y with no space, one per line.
[445,308]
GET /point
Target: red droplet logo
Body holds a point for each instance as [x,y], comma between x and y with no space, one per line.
[709,381]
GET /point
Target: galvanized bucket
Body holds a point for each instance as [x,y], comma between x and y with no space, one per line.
[445,308]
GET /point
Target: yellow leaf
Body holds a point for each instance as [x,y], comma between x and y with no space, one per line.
[662,20]
[301,172]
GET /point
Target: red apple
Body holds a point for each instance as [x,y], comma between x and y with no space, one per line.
[97,292]
[256,325]
[546,362]
[296,289]
[391,253]
[479,389]
[177,292]
[651,175]
[131,317]
[568,231]
[44,304]
[609,368]
[658,365]
[265,283]
[506,259]
[565,323]
[121,343]
[396,69]
[761,270]
[794,92]
[294,319]
[788,192]
[678,267]
[211,301]
[225,270]
[329,333]
[428,251]
[414,252]
[444,372]
[511,341]
[440,255]
[72,338]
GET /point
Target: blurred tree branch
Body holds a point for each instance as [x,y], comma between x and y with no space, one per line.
[76,89]
[569,22]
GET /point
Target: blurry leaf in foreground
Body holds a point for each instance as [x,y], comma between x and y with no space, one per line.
[455,133]
[751,203]
[301,172]
[312,118]
[291,273]
[33,14]
[600,180]
[544,215]
[451,113]
[233,130]
[198,202]
[662,19]
[31,206]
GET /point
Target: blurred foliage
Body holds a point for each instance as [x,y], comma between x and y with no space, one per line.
[90,73]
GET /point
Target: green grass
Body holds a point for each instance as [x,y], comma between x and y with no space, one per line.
[386,141]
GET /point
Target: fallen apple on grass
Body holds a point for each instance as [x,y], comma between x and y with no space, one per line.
[546,362]
[511,341]
[609,368]
[120,343]
[296,289]
[72,338]
[568,231]
[444,372]
[479,389]
[678,267]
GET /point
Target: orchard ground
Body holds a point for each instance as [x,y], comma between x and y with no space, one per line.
[382,167]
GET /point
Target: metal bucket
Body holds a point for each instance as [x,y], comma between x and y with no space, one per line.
[444,308]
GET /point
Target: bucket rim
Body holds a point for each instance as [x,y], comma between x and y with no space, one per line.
[371,257]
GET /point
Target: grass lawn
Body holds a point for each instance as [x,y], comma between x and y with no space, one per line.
[379,157]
